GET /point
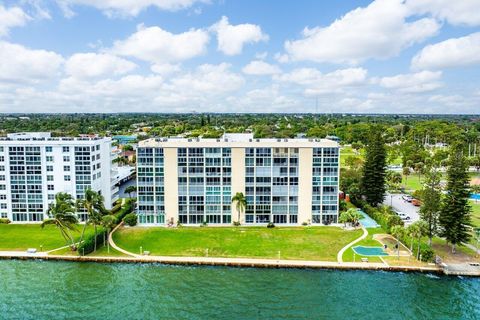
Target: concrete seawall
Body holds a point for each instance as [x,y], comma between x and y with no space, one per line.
[230,262]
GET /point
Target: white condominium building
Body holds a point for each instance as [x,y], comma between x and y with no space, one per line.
[35,166]
[191,181]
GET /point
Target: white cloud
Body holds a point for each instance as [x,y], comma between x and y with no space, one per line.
[316,83]
[459,12]
[165,69]
[21,64]
[207,79]
[92,65]
[232,38]
[378,31]
[156,45]
[259,68]
[11,17]
[454,52]
[127,7]
[414,82]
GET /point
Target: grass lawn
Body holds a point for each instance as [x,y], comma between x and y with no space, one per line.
[444,250]
[475,213]
[20,237]
[346,152]
[103,252]
[369,242]
[306,243]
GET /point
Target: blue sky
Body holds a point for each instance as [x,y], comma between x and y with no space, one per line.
[389,56]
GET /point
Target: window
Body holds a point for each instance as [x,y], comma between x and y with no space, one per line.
[2,168]
[48,149]
[2,158]
[49,178]
[66,178]
[3,206]
[51,197]
[97,147]
[66,168]
[50,187]
[1,149]
[2,177]
[66,158]
[3,197]
[3,215]
[49,158]
[66,149]
[2,187]
[50,168]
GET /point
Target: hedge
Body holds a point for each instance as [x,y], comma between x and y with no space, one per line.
[4,221]
[386,220]
[88,244]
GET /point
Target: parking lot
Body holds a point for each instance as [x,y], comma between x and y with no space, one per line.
[398,204]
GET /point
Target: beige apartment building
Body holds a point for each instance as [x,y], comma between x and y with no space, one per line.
[192,181]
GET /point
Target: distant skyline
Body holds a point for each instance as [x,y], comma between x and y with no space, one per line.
[384,56]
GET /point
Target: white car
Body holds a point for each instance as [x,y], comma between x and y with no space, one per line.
[407,198]
[403,216]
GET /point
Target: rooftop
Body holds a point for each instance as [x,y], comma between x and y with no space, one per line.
[45,137]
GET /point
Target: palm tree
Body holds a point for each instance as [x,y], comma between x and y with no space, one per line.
[109,221]
[412,231]
[354,216]
[344,218]
[130,190]
[241,203]
[398,232]
[62,215]
[93,205]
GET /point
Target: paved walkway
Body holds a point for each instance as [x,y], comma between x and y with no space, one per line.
[114,246]
[340,253]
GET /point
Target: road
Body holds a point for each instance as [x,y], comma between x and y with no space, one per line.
[398,204]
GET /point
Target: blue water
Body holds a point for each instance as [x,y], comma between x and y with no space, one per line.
[369,251]
[475,196]
[61,290]
[366,221]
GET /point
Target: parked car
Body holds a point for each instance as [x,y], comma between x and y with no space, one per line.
[403,216]
[407,198]
[416,202]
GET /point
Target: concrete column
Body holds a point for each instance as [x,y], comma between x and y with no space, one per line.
[238,178]
[171,184]
[305,162]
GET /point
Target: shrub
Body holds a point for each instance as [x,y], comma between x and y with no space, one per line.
[117,207]
[304,223]
[236,223]
[88,244]
[128,208]
[130,219]
[204,224]
[4,221]
[270,225]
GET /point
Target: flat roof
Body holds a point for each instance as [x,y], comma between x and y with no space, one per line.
[223,142]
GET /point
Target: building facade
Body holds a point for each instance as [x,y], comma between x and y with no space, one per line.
[35,166]
[191,181]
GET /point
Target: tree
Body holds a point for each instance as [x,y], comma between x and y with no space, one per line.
[419,167]
[130,190]
[61,213]
[373,180]
[344,218]
[398,232]
[109,222]
[431,200]
[92,203]
[406,172]
[455,210]
[241,203]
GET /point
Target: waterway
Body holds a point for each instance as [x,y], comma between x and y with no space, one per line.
[67,290]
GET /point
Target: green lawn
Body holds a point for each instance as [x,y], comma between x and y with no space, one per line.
[306,243]
[369,242]
[346,152]
[20,237]
[475,213]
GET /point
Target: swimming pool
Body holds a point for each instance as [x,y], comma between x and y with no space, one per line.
[366,221]
[475,196]
[369,251]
